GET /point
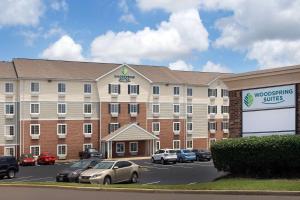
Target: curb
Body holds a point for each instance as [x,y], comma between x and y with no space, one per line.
[215,192]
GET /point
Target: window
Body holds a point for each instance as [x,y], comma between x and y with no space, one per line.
[189,126]
[61,129]
[189,144]
[212,125]
[189,92]
[87,108]
[34,129]
[9,87]
[133,108]
[189,109]
[9,151]
[61,108]
[87,146]
[61,149]
[34,108]
[155,126]
[35,150]
[87,88]
[176,144]
[114,108]
[114,89]
[225,125]
[155,90]
[133,89]
[120,147]
[155,108]
[224,93]
[176,126]
[87,128]
[157,145]
[133,147]
[212,109]
[61,87]
[225,109]
[212,92]
[35,87]
[9,109]
[176,91]
[113,127]
[176,108]
[10,130]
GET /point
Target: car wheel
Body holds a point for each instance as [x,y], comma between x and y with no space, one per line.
[107,180]
[174,162]
[152,160]
[134,177]
[162,161]
[1,177]
[11,174]
[180,160]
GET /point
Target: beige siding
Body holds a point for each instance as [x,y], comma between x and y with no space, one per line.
[133,133]
[4,121]
[200,122]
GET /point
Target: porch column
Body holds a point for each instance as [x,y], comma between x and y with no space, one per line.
[108,149]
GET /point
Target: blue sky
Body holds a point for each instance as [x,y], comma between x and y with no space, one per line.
[216,35]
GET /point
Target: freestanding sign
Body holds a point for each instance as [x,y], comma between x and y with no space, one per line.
[269,111]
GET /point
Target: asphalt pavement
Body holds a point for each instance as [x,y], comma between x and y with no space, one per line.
[180,173]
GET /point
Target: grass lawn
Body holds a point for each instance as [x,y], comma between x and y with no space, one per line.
[223,184]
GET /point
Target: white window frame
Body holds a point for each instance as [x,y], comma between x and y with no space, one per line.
[225,122]
[114,89]
[157,142]
[61,145]
[87,92]
[215,125]
[174,144]
[136,89]
[132,105]
[85,110]
[175,105]
[31,125]
[10,147]
[9,104]
[122,143]
[137,147]
[35,146]
[178,91]
[65,87]
[223,108]
[210,108]
[114,123]
[86,124]
[187,126]
[187,91]
[7,127]
[225,92]
[156,104]
[213,92]
[187,141]
[38,107]
[87,144]
[38,83]
[66,129]
[187,109]
[65,108]
[9,92]
[153,89]
[116,105]
[174,126]
[153,127]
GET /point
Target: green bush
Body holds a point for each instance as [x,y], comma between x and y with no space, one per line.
[258,156]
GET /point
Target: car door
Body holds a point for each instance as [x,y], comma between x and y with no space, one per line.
[123,171]
[3,165]
[155,156]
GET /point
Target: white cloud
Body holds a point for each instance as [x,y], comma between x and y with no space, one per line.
[213,67]
[168,5]
[59,5]
[20,12]
[179,36]
[65,49]
[127,17]
[180,65]
[274,53]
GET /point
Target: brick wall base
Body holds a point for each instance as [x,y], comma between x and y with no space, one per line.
[200,143]
[141,150]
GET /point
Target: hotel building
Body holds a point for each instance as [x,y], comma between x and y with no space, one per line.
[63,107]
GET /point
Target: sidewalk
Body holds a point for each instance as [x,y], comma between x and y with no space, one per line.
[131,158]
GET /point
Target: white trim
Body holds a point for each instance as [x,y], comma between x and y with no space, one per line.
[84,128]
[174,145]
[136,85]
[84,108]
[35,92]
[188,109]
[158,108]
[9,104]
[158,127]
[97,79]
[39,108]
[176,104]
[5,130]
[113,123]
[61,93]
[209,83]
[66,108]
[174,126]
[55,119]
[176,95]
[158,89]
[189,140]
[9,93]
[188,126]
[187,91]
[91,144]
[137,147]
[111,85]
[123,147]
[39,129]
[61,124]
[10,147]
[157,141]
[87,93]
[57,149]
[34,146]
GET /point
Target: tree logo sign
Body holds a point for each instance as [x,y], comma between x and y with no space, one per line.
[248,100]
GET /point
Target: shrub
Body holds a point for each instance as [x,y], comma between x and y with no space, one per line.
[258,156]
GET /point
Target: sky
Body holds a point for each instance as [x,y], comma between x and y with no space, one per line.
[202,35]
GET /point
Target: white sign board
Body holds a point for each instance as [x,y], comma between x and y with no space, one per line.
[269,98]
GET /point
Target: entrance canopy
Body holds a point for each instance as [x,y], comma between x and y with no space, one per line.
[130,132]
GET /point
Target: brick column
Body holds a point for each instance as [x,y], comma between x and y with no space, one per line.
[298,109]
[235,113]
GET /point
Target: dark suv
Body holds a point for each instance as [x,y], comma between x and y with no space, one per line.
[8,166]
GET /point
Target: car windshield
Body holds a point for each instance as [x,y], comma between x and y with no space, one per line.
[172,151]
[186,151]
[81,164]
[104,165]
[27,156]
[92,150]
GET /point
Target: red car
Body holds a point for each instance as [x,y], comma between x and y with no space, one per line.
[27,159]
[46,159]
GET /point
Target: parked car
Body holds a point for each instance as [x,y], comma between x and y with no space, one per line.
[107,172]
[72,173]
[89,153]
[27,159]
[185,155]
[164,156]
[202,155]
[46,159]
[8,167]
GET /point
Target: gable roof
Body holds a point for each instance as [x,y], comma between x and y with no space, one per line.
[7,70]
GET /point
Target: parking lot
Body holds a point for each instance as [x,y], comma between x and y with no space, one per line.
[180,173]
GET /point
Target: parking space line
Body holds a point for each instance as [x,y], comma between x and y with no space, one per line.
[151,183]
[192,183]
